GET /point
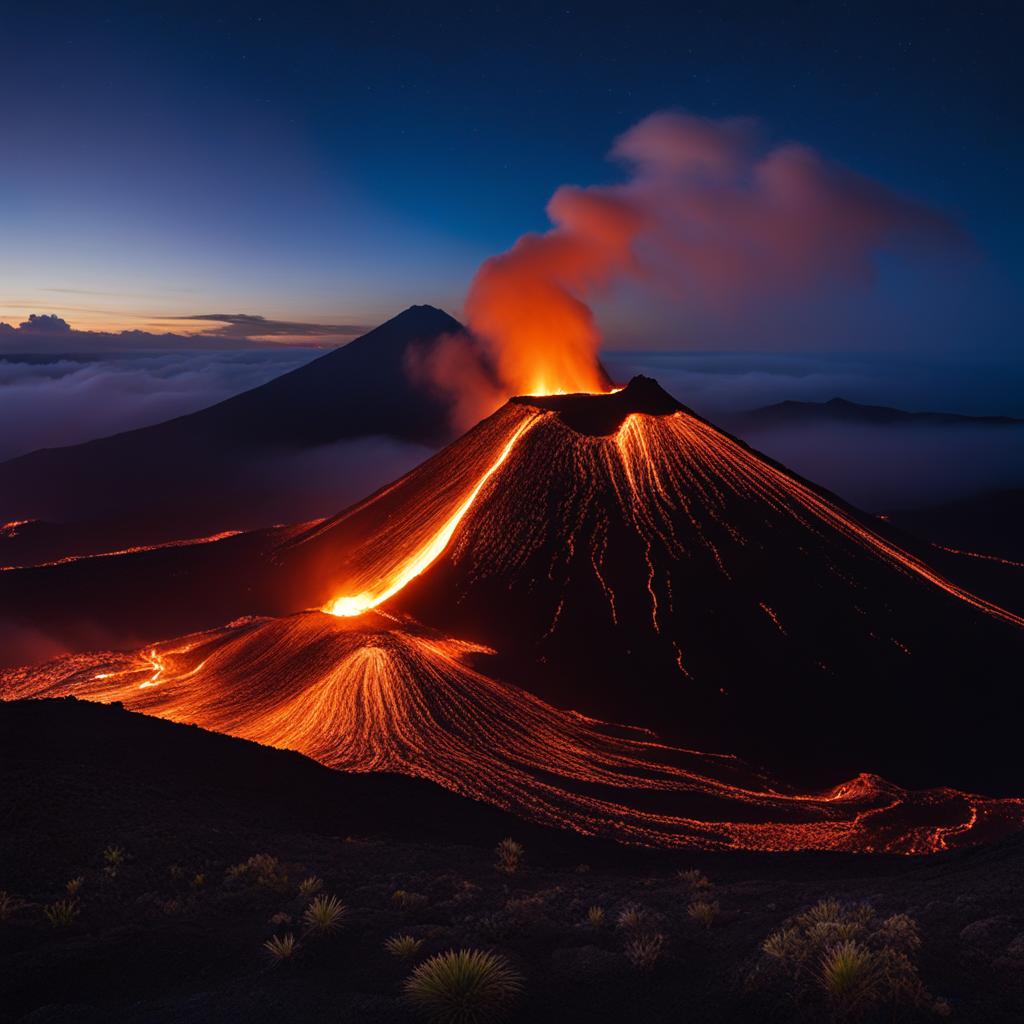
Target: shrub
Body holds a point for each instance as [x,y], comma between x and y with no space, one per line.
[631,918]
[8,904]
[465,987]
[282,947]
[61,913]
[261,869]
[695,879]
[403,947]
[643,951]
[848,973]
[595,917]
[324,915]
[280,918]
[113,860]
[408,900]
[847,957]
[310,886]
[74,887]
[198,880]
[704,912]
[510,856]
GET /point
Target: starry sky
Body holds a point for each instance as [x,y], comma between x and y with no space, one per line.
[334,163]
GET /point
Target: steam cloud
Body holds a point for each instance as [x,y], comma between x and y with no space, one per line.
[709,215]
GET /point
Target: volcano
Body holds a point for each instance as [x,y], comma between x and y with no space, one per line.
[772,650]
[209,471]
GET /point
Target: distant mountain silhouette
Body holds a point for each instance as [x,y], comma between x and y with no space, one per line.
[841,410]
[210,470]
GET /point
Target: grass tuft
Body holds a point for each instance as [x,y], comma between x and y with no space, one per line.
[470,986]
[324,915]
[643,951]
[510,856]
[62,913]
[596,917]
[282,947]
[704,912]
[403,947]
[310,886]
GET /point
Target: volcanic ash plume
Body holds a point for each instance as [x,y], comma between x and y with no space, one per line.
[708,217]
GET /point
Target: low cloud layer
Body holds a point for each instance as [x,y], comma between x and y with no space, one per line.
[879,468]
[47,333]
[46,402]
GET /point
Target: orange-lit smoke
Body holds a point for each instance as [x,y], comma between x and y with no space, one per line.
[720,221]
[528,303]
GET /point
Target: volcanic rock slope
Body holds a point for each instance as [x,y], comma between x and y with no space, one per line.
[610,551]
[625,557]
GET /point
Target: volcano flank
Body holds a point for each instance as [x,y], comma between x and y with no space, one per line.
[617,555]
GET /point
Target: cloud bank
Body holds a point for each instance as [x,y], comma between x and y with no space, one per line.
[50,401]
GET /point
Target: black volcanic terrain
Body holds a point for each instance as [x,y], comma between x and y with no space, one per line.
[176,936]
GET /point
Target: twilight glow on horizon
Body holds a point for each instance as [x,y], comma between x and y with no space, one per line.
[158,169]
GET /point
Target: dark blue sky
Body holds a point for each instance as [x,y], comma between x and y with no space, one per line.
[337,162]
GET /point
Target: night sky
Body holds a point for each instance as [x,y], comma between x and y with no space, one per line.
[336,163]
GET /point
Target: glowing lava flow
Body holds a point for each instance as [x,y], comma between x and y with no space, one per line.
[419,560]
[373,695]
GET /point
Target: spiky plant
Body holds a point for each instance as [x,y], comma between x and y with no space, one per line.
[643,951]
[403,947]
[310,886]
[113,860]
[694,879]
[74,887]
[282,947]
[61,913]
[848,973]
[408,900]
[198,880]
[704,912]
[469,986]
[631,918]
[324,915]
[595,917]
[8,904]
[510,856]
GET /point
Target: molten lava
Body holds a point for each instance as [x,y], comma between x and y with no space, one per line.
[570,535]
[376,695]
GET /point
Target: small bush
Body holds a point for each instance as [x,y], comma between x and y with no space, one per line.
[8,904]
[704,912]
[282,947]
[310,886]
[848,958]
[643,951]
[113,860]
[74,887]
[848,973]
[280,918]
[324,915]
[595,917]
[61,913]
[694,879]
[408,900]
[465,987]
[198,880]
[631,918]
[261,869]
[510,856]
[403,947]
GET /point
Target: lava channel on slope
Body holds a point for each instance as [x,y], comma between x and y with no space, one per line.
[586,509]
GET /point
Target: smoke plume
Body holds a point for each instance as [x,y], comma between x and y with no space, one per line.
[709,215]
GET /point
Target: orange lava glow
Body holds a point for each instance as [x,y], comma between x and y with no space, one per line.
[377,695]
[365,688]
[420,558]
